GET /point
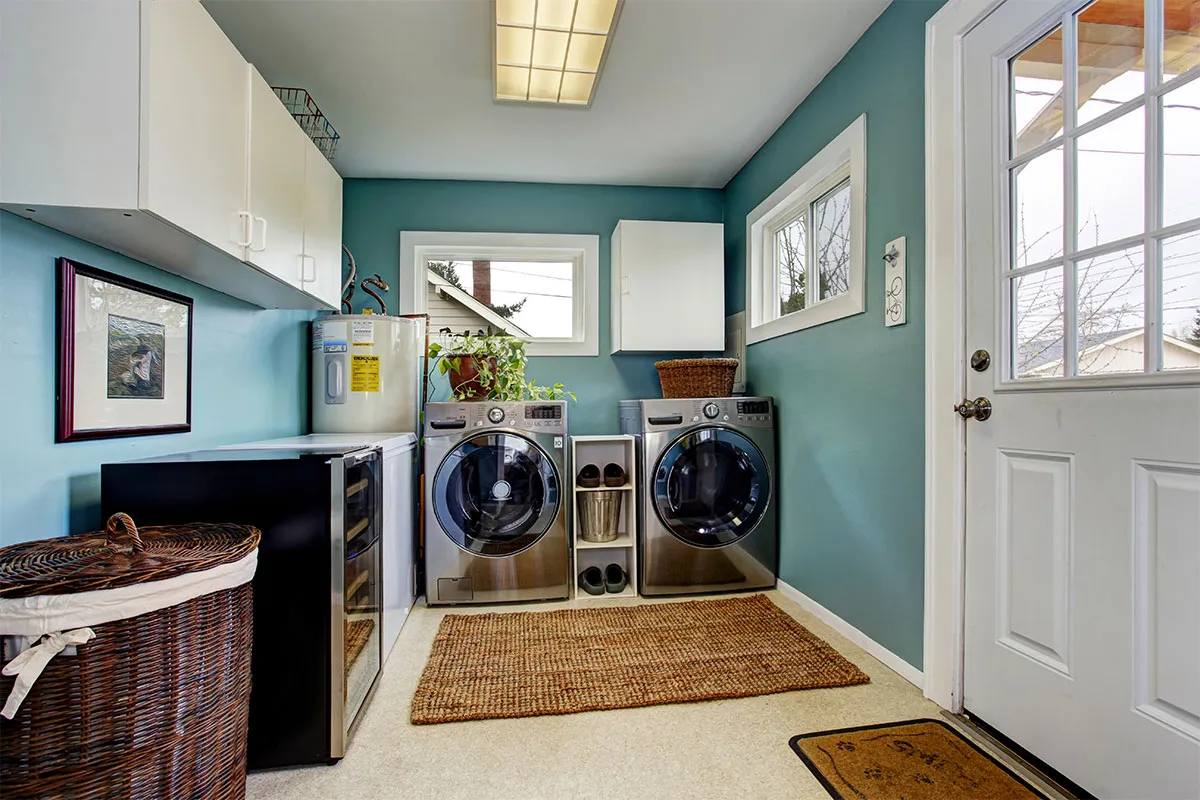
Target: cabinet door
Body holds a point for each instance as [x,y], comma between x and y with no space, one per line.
[322,228]
[277,146]
[679,263]
[194,118]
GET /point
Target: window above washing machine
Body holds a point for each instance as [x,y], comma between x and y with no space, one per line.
[542,288]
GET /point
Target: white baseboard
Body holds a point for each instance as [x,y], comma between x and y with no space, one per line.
[885,656]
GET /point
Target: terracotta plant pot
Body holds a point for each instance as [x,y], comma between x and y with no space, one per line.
[465,381]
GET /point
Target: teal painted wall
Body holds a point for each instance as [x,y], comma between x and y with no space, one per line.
[851,393]
[250,381]
[375,211]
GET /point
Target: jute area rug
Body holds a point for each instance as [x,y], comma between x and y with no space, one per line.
[525,664]
[921,759]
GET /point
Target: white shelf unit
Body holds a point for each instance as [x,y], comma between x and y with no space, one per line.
[602,450]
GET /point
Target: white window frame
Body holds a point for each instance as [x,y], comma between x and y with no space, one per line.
[418,248]
[844,157]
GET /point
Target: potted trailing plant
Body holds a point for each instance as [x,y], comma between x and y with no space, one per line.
[489,366]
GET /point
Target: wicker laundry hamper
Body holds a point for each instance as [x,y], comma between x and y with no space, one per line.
[149,698]
[697,377]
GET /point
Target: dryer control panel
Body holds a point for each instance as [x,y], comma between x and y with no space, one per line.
[753,412]
[534,417]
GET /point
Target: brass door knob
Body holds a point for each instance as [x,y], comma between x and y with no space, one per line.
[980,408]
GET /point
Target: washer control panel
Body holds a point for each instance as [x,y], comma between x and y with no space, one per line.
[541,417]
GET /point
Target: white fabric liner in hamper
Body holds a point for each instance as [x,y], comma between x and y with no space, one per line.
[57,621]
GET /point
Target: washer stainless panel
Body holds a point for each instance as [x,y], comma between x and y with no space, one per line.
[496,502]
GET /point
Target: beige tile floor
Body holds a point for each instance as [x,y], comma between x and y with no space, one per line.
[711,750]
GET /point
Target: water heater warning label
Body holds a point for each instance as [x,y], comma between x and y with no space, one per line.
[364,373]
[363,332]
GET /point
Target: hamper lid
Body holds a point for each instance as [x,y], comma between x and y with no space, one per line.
[122,555]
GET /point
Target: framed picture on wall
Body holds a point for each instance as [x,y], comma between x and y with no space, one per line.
[124,357]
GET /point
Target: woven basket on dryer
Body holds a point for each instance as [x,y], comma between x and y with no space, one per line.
[127,663]
[697,377]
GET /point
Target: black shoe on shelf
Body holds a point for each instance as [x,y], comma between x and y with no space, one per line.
[614,475]
[615,579]
[589,477]
[591,580]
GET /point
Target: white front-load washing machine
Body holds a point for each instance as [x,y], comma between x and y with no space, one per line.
[706,506]
[496,510]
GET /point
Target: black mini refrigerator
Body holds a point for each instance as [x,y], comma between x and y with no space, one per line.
[317,643]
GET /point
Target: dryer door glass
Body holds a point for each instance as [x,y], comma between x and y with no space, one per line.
[711,487]
[496,494]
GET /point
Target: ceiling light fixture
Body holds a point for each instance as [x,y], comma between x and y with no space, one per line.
[551,51]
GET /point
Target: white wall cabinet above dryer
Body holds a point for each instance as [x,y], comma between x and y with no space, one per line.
[668,286]
[137,125]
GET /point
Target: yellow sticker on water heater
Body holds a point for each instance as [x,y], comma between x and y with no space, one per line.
[364,373]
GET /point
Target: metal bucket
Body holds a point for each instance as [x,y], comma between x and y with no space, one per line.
[598,515]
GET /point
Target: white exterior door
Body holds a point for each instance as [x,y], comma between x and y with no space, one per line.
[1082,214]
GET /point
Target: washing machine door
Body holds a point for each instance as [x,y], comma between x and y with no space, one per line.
[711,487]
[496,494]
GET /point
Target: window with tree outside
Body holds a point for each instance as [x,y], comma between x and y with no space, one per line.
[805,243]
[1102,175]
[542,288]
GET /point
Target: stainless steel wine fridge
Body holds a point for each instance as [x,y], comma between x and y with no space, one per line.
[318,588]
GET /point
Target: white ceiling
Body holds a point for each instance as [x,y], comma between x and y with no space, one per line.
[690,90]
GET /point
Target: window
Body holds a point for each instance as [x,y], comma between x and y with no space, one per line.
[543,288]
[1101,272]
[805,243]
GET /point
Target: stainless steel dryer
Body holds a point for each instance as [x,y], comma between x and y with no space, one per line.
[706,509]
[496,510]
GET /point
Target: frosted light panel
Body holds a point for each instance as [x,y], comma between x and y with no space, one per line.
[515,12]
[513,45]
[585,53]
[550,51]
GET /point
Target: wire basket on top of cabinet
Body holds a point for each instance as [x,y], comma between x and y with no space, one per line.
[307,114]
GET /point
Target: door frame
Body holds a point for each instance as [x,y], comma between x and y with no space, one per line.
[945,349]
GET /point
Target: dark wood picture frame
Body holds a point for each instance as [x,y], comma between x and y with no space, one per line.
[65,431]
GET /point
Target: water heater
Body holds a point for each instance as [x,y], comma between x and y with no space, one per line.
[367,373]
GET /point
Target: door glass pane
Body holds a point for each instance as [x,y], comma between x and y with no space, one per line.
[1037,79]
[1112,312]
[1181,302]
[496,492]
[1181,147]
[1037,302]
[791,264]
[831,220]
[1111,168]
[1111,56]
[1038,209]
[1181,48]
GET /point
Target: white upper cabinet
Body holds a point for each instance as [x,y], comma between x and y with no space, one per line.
[277,193]
[195,114]
[668,286]
[153,137]
[322,228]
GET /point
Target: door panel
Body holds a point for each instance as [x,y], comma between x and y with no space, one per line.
[195,113]
[1083,487]
[711,487]
[277,149]
[322,227]
[496,494]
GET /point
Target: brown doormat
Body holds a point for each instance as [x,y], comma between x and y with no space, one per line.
[525,664]
[920,759]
